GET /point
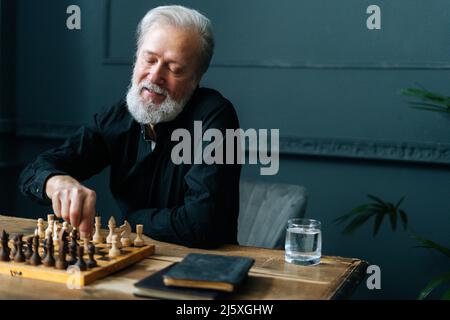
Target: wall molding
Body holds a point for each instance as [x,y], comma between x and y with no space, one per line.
[110,59]
[326,147]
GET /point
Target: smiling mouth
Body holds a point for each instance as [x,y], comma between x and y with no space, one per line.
[148,93]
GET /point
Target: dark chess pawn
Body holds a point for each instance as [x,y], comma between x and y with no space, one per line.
[44,246]
[73,252]
[91,263]
[61,262]
[49,260]
[14,249]
[19,256]
[4,251]
[29,250]
[35,259]
[74,235]
[80,262]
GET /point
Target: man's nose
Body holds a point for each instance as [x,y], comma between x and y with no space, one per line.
[156,74]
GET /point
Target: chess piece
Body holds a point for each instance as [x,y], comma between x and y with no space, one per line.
[66,227]
[125,235]
[41,228]
[80,261]
[49,260]
[91,263]
[114,251]
[56,231]
[86,241]
[73,249]
[139,242]
[61,262]
[35,259]
[44,248]
[98,238]
[50,221]
[19,256]
[112,229]
[74,234]
[14,249]
[29,250]
[5,251]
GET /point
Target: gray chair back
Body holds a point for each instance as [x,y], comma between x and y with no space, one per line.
[264,210]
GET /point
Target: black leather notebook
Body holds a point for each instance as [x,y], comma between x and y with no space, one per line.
[209,271]
[154,287]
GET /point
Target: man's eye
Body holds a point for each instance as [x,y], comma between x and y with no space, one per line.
[176,71]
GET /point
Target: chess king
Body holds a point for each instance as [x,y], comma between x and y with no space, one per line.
[195,205]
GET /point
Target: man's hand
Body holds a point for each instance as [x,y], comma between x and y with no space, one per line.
[73,202]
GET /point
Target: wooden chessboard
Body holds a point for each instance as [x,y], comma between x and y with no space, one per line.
[71,276]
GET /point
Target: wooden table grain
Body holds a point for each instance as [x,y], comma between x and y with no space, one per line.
[270,278]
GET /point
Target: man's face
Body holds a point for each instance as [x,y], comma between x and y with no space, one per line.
[165,73]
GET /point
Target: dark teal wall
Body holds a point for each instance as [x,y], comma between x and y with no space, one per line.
[310,68]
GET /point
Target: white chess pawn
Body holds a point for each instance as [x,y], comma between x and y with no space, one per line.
[49,230]
[66,227]
[50,220]
[139,242]
[98,238]
[114,251]
[41,228]
[112,229]
[56,232]
[125,235]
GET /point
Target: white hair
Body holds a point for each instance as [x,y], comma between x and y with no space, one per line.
[181,17]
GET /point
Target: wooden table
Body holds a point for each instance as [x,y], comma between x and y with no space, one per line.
[270,277]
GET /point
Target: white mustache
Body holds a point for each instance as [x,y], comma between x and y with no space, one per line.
[153,87]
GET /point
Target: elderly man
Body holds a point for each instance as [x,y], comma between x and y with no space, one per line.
[190,204]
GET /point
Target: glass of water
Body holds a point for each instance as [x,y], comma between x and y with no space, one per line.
[303,242]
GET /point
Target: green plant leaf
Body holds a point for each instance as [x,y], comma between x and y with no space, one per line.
[400,202]
[432,245]
[432,109]
[357,222]
[376,199]
[355,211]
[404,218]
[443,278]
[393,217]
[378,220]
[430,105]
[446,295]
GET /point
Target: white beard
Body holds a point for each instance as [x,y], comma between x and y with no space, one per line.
[148,112]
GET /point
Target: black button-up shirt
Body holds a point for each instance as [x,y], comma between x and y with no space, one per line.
[195,205]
